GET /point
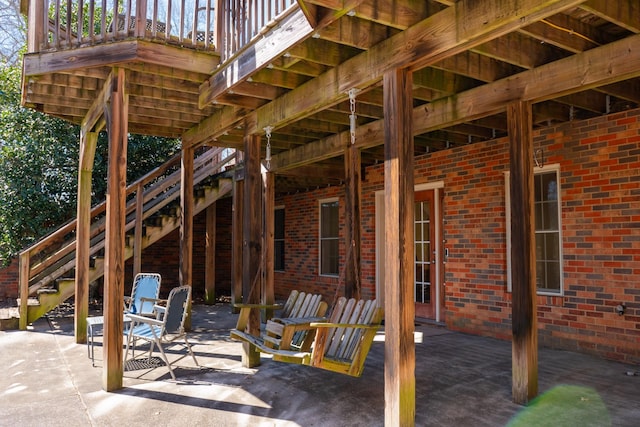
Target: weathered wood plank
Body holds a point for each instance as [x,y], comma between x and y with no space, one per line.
[269,182]
[115,234]
[455,29]
[586,70]
[210,256]
[625,13]
[88,144]
[523,258]
[291,30]
[399,360]
[137,234]
[252,241]
[120,52]
[186,222]
[353,191]
[236,240]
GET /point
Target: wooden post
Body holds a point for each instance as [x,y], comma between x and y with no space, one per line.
[399,360]
[352,162]
[269,230]
[219,41]
[137,235]
[186,224]
[236,240]
[210,256]
[116,113]
[252,242]
[36,29]
[88,144]
[25,267]
[523,256]
[141,18]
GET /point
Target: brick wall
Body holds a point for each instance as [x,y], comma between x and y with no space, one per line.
[600,182]
[164,256]
[302,213]
[9,283]
[599,163]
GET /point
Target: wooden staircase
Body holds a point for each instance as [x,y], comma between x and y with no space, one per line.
[47,269]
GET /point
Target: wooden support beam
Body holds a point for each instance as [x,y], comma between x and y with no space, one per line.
[523,256]
[186,223]
[25,261]
[465,24]
[399,360]
[117,129]
[210,256]
[35,30]
[353,191]
[252,242]
[123,51]
[236,239]
[88,144]
[137,236]
[269,181]
[558,78]
[292,29]
[624,13]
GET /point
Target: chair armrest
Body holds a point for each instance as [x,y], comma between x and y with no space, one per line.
[245,312]
[154,300]
[293,321]
[259,306]
[343,325]
[148,320]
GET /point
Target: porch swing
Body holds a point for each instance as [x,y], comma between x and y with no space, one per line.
[343,342]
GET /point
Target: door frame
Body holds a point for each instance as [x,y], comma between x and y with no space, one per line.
[438,188]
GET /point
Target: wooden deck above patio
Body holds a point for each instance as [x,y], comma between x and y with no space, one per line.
[573,59]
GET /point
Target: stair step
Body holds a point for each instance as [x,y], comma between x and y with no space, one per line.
[9,318]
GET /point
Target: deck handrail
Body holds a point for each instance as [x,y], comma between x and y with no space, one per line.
[68,24]
[241,21]
[222,26]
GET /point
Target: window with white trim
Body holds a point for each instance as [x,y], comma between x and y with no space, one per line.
[547,216]
[329,228]
[278,239]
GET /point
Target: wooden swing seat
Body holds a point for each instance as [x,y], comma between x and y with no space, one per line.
[290,329]
[341,344]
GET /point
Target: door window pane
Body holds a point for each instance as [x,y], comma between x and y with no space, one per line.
[547,224]
[422,252]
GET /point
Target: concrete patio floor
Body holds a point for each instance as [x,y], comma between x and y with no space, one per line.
[461,380]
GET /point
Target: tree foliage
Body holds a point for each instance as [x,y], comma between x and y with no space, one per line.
[12,31]
[39,168]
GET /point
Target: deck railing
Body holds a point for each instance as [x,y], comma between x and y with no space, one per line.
[64,24]
[54,255]
[224,26]
[243,20]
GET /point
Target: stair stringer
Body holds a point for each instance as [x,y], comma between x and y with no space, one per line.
[48,301]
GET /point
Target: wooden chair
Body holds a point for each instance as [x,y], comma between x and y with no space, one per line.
[341,344]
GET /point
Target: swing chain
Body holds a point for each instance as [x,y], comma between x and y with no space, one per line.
[352,117]
[267,158]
